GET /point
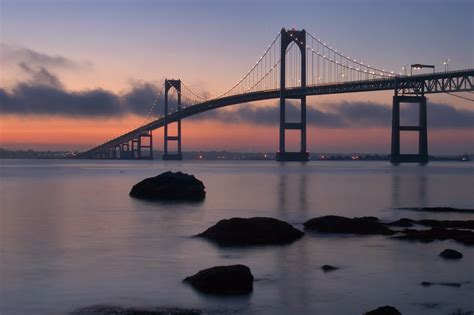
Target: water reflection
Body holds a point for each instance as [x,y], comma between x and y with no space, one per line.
[409,190]
[292,193]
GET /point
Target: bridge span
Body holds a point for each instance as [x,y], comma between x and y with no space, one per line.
[294,66]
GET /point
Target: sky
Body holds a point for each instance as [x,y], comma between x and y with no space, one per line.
[74,73]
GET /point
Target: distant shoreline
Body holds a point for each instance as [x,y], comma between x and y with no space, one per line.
[233,156]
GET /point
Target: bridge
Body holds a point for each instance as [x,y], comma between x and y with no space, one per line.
[295,65]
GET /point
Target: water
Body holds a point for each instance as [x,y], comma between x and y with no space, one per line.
[71,236]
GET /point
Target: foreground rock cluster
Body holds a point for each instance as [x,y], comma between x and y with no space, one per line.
[118,310]
[338,224]
[456,230]
[170,186]
[258,231]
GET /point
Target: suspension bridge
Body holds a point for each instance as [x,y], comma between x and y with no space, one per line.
[295,65]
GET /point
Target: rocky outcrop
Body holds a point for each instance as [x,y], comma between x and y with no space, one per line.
[338,224]
[170,186]
[251,231]
[403,222]
[457,224]
[461,236]
[223,280]
[384,310]
[450,254]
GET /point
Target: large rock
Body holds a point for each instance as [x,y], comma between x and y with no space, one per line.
[170,186]
[329,268]
[338,224]
[225,280]
[251,231]
[384,310]
[450,254]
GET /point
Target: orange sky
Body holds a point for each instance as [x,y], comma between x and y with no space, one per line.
[42,133]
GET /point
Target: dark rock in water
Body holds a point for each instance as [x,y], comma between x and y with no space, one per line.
[225,280]
[384,310]
[338,224]
[251,231]
[438,209]
[451,254]
[117,310]
[403,222]
[447,284]
[329,268]
[461,236]
[457,224]
[170,186]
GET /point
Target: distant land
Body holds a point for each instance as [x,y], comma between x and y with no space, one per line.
[228,155]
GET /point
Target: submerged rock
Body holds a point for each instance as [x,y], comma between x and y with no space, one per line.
[170,186]
[117,310]
[451,254]
[446,284]
[338,224]
[461,236]
[329,268]
[225,280]
[384,310]
[438,209]
[251,231]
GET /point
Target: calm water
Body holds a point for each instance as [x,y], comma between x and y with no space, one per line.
[71,236]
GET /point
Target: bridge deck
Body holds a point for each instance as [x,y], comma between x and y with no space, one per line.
[441,82]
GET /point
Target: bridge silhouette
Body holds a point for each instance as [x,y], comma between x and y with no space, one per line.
[295,65]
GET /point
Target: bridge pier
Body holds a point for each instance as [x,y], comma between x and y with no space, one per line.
[146,145]
[422,129]
[287,37]
[166,154]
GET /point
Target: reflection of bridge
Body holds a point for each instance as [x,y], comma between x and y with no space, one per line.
[294,66]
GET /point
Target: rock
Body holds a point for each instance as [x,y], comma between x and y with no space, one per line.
[403,222]
[461,236]
[170,186]
[117,310]
[251,231]
[234,279]
[451,254]
[338,224]
[329,268]
[384,310]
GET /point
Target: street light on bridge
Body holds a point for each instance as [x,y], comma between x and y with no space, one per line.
[446,64]
[420,66]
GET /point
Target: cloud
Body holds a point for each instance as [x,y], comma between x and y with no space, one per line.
[41,76]
[345,115]
[32,58]
[44,94]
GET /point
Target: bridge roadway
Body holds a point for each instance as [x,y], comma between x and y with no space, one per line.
[441,82]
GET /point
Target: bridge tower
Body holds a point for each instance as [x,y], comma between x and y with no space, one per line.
[422,128]
[176,84]
[287,37]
